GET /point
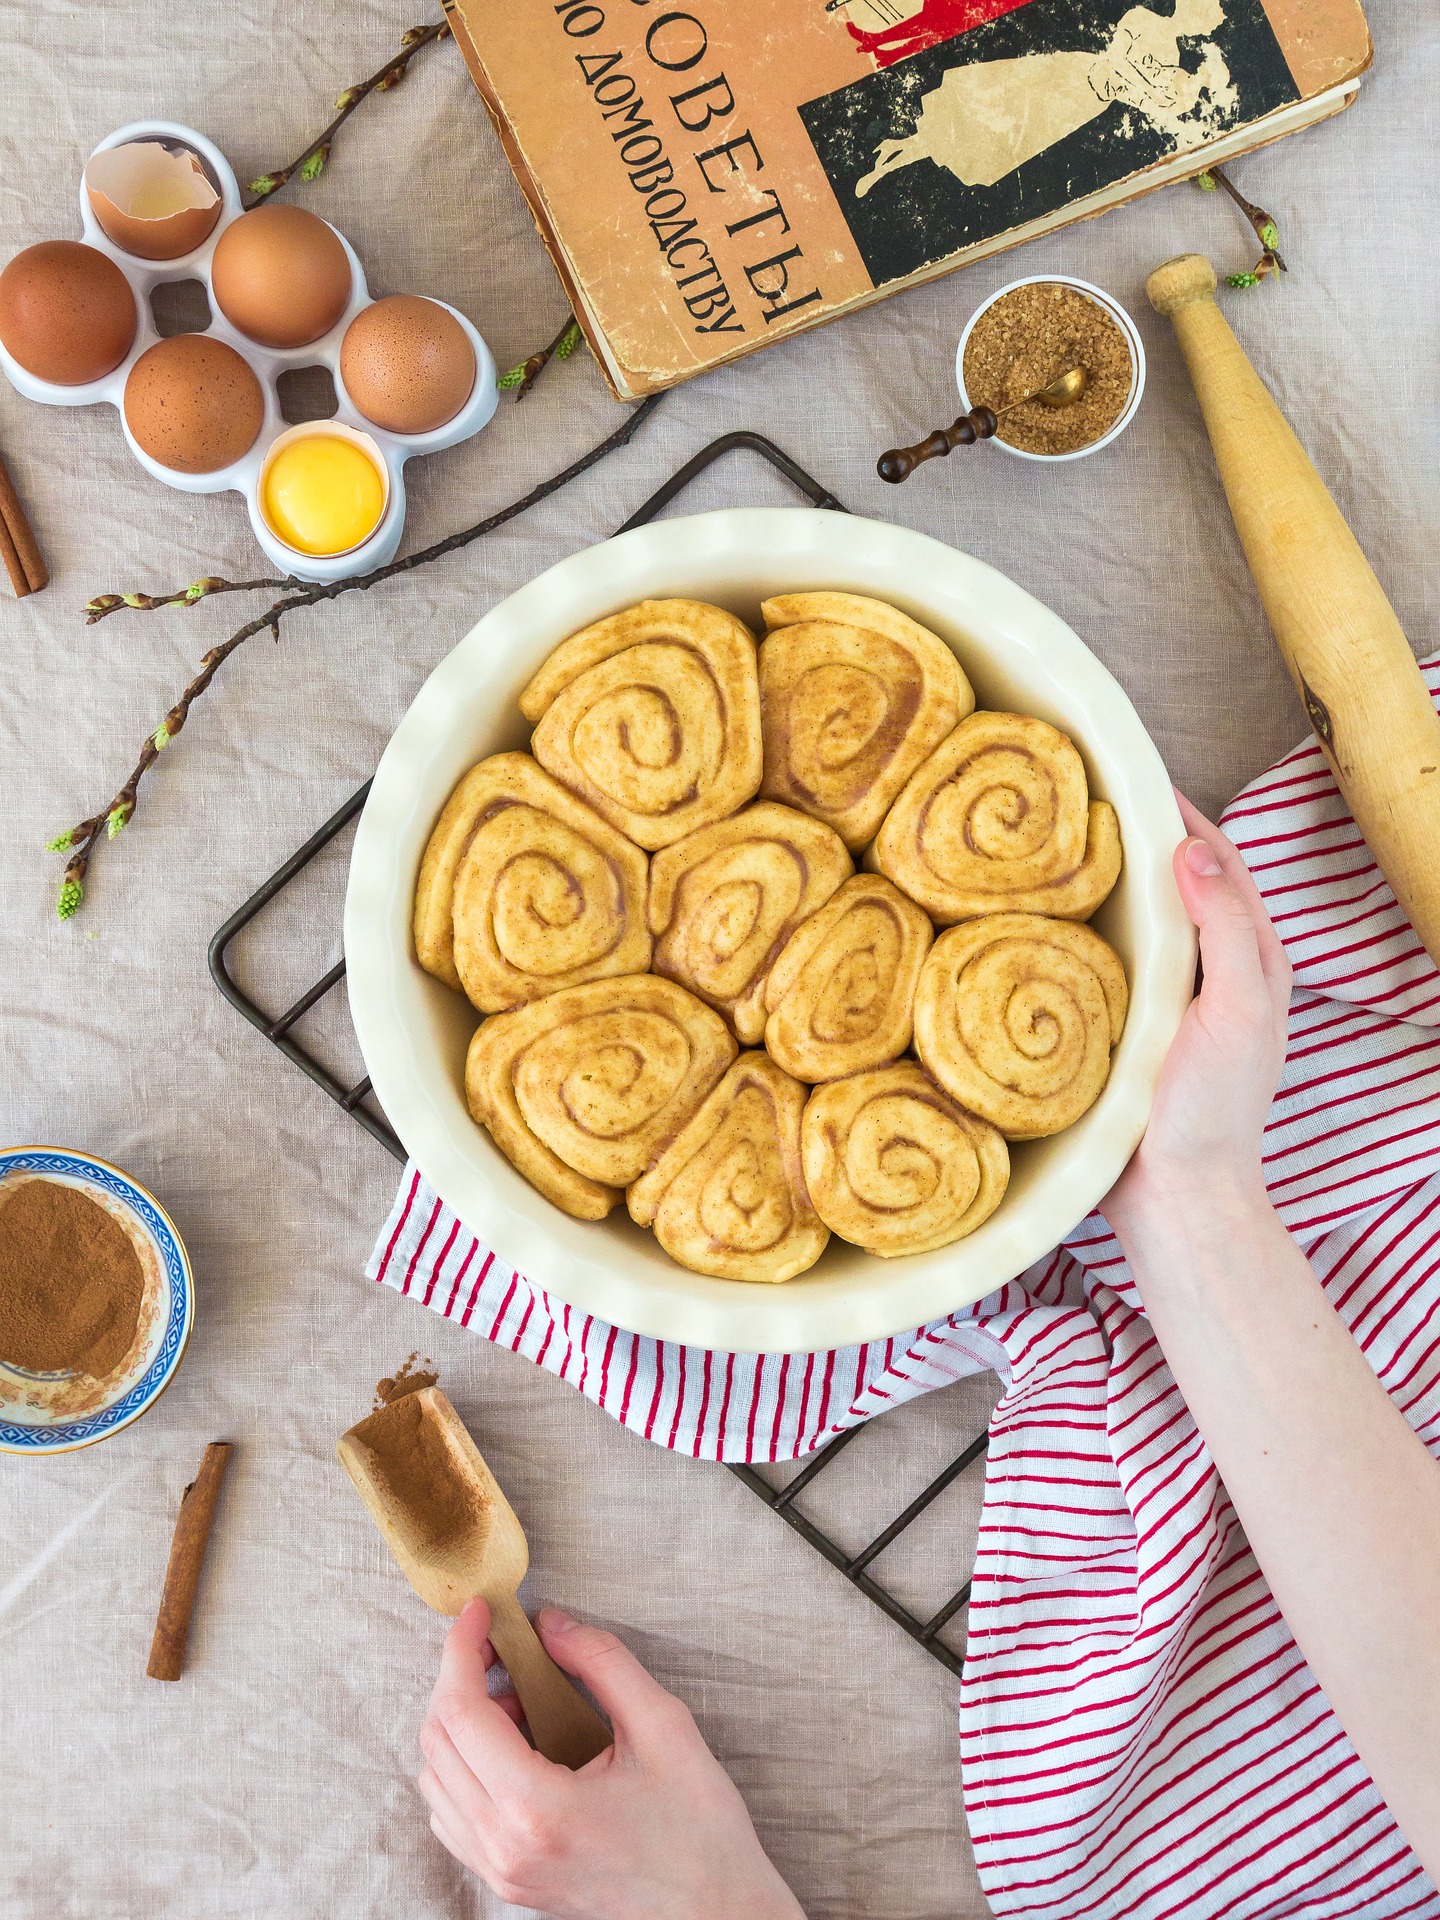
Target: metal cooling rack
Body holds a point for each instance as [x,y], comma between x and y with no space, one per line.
[356,1100]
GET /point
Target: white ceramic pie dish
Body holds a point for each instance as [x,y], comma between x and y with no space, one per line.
[414,1032]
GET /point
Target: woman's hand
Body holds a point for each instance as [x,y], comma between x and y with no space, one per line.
[1220,1076]
[1338,1496]
[652,1829]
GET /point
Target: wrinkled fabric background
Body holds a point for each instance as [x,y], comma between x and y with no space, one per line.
[276,1778]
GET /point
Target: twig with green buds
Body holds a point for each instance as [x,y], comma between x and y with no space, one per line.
[311,163]
[523,377]
[107,603]
[82,841]
[1266,231]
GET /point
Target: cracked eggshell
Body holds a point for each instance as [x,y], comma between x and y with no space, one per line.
[152,202]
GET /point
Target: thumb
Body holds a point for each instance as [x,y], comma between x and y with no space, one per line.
[465,1644]
[633,1698]
[463,1663]
[1229,942]
[481,1731]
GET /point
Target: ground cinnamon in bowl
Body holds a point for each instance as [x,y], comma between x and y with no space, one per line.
[71,1282]
[1029,337]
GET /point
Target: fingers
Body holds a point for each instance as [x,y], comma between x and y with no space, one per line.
[635,1701]
[1274,961]
[471,1802]
[507,1699]
[509,1704]
[483,1732]
[448,1828]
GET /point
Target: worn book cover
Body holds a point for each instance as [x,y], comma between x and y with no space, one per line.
[710,175]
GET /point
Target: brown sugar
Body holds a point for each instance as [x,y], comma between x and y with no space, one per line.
[71,1283]
[1029,337]
[416,1464]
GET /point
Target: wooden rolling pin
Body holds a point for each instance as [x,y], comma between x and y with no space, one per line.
[1346,651]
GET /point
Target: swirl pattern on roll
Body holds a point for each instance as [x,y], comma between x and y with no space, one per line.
[1016,1016]
[724,901]
[895,1166]
[1000,820]
[841,995]
[728,1197]
[854,695]
[538,891]
[652,717]
[583,1090]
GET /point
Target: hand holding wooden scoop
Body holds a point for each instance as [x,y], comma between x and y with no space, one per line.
[456,1536]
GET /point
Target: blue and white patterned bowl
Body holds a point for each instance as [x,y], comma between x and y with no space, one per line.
[57,1412]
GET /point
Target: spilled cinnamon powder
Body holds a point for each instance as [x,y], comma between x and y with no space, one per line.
[411,1457]
[71,1283]
[410,1376]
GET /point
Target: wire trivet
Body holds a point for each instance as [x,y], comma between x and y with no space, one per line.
[279,1030]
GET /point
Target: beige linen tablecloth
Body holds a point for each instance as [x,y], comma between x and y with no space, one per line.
[276,1778]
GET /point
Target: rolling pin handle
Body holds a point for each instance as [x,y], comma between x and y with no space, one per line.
[1180,282]
[1346,651]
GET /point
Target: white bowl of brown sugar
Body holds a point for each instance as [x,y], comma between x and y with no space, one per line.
[96,1300]
[1030,333]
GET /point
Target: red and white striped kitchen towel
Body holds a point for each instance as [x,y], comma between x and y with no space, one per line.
[1141,1737]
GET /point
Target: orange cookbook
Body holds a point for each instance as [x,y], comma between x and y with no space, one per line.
[711,175]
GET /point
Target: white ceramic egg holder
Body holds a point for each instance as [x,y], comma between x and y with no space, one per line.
[243,476]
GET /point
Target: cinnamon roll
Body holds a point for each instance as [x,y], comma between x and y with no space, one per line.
[1016,1016]
[582,1090]
[853,696]
[652,717]
[1000,820]
[728,1196]
[524,889]
[894,1165]
[724,901]
[841,994]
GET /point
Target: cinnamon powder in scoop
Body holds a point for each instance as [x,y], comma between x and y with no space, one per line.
[415,1462]
[71,1283]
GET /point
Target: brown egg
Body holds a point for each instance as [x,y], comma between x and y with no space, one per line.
[66,312]
[155,204]
[407,364]
[281,276]
[193,403]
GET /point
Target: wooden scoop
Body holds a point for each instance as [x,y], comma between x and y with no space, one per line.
[446,1521]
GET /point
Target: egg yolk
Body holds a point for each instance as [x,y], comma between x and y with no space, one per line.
[323,494]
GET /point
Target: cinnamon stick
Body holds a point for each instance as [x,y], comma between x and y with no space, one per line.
[187,1556]
[18,548]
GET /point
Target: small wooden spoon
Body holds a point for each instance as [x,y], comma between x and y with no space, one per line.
[979,424]
[446,1521]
